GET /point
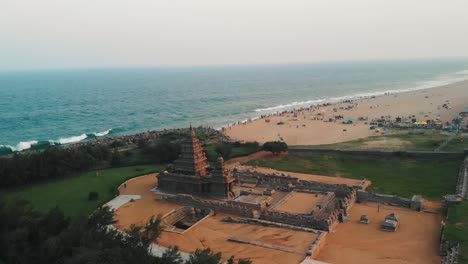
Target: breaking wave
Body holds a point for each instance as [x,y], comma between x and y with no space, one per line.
[103,133]
[20,146]
[442,81]
[69,140]
[34,144]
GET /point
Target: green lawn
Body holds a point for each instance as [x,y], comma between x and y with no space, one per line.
[459,143]
[71,194]
[457,228]
[401,176]
[403,141]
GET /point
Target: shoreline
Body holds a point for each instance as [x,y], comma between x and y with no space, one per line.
[296,126]
[425,85]
[267,112]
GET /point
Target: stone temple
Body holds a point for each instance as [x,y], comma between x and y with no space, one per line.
[244,192]
[191,174]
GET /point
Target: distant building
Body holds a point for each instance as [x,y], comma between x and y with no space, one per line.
[190,173]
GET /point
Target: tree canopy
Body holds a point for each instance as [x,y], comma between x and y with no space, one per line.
[275,147]
[27,236]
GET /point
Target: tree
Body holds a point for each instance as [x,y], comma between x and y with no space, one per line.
[224,149]
[163,152]
[116,158]
[241,261]
[27,236]
[205,256]
[101,218]
[93,196]
[153,228]
[54,221]
[171,256]
[275,147]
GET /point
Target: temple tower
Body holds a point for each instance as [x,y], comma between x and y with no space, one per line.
[192,159]
[222,181]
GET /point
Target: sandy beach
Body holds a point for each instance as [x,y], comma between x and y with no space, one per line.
[312,127]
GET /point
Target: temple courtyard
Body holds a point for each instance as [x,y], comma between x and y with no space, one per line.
[271,216]
[211,232]
[416,240]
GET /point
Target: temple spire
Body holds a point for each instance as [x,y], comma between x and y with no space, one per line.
[192,159]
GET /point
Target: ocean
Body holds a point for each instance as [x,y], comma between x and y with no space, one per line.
[50,107]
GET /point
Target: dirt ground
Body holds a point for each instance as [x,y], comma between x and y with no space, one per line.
[301,203]
[416,241]
[212,232]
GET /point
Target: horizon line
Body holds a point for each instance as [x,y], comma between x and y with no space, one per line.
[214,65]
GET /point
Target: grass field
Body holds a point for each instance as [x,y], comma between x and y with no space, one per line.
[394,175]
[71,194]
[459,143]
[402,141]
[457,228]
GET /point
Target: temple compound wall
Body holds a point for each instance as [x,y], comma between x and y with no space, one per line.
[288,183]
[230,207]
[329,212]
[415,203]
[462,183]
[450,249]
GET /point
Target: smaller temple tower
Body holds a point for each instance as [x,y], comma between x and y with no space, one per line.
[222,181]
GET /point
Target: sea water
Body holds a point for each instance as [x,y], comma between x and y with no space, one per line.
[66,106]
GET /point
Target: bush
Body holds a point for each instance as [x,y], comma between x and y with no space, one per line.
[116,159]
[93,196]
[163,152]
[223,149]
[275,147]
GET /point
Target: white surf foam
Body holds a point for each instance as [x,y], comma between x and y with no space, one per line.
[103,133]
[71,139]
[21,146]
[437,82]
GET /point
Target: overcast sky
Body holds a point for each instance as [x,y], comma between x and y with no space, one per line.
[101,33]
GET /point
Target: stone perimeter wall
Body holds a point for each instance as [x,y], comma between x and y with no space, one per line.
[230,207]
[380,153]
[288,183]
[314,249]
[462,183]
[449,250]
[325,219]
[363,196]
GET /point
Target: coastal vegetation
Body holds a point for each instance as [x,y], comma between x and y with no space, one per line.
[399,175]
[53,163]
[275,147]
[230,150]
